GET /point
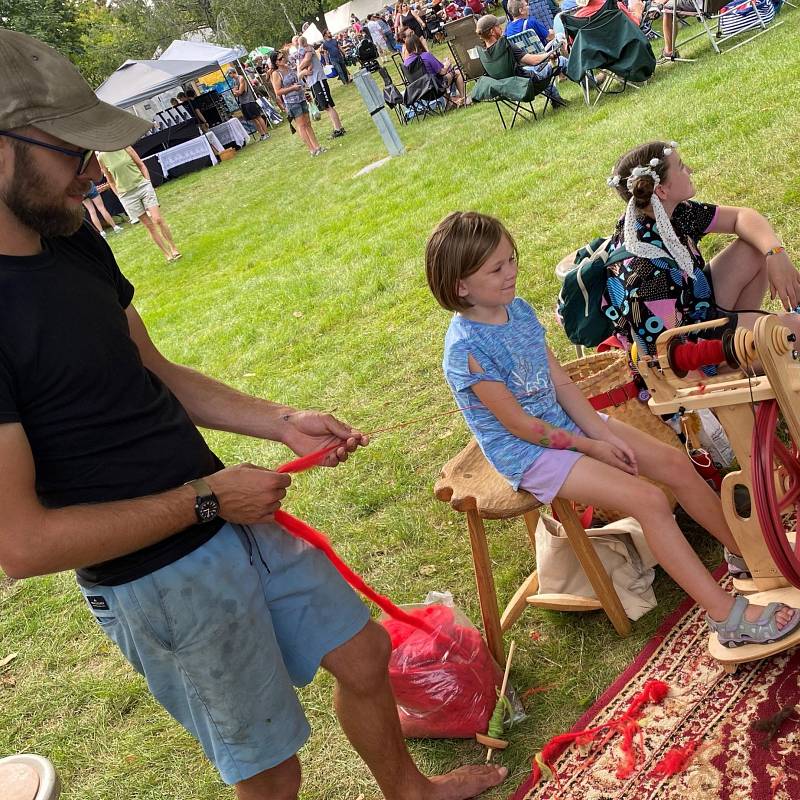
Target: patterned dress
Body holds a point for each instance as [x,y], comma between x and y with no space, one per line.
[645,297]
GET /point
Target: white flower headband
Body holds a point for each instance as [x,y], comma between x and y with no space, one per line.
[673,247]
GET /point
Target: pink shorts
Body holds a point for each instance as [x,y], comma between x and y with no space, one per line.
[545,477]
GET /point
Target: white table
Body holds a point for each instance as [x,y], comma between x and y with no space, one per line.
[230,132]
[187,151]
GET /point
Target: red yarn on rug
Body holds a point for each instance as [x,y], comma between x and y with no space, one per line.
[627,725]
[676,760]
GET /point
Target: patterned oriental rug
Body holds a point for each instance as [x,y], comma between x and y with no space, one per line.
[705,706]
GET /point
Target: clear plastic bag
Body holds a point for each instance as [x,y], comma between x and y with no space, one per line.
[446,683]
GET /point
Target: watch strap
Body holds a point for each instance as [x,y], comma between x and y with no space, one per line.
[201,488]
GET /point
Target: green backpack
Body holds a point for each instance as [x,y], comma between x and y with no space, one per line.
[579,307]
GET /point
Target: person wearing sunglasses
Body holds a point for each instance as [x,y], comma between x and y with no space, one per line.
[129,179]
[104,472]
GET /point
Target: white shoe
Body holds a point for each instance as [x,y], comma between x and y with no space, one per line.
[135,221]
[103,234]
[117,229]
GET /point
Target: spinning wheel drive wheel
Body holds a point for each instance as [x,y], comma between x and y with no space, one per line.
[776,488]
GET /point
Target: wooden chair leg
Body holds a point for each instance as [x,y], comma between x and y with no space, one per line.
[530,585]
[592,566]
[487,594]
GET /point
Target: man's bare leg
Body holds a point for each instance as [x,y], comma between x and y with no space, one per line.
[367,713]
[333,115]
[279,783]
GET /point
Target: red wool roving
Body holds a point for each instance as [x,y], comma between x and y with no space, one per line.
[676,760]
[444,680]
[626,725]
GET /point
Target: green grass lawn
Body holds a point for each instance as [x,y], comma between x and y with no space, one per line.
[303,283]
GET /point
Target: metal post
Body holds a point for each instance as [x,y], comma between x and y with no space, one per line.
[373,99]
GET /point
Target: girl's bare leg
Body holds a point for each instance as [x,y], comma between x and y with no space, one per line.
[592,482]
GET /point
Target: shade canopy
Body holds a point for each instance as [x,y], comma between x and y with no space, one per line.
[338,20]
[136,81]
[180,50]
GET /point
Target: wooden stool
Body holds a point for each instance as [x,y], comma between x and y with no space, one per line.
[471,485]
[28,777]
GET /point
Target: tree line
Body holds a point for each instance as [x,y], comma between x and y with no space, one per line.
[99,35]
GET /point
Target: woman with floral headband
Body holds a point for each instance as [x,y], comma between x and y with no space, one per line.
[666,283]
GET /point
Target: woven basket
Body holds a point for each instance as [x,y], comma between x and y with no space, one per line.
[602,372]
[227,154]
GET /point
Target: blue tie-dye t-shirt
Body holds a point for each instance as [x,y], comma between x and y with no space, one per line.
[514,354]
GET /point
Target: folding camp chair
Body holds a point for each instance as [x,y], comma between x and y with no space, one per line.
[761,19]
[503,87]
[424,93]
[607,40]
[464,44]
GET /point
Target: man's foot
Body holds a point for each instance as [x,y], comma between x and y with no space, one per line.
[666,55]
[263,137]
[466,782]
[337,133]
[116,229]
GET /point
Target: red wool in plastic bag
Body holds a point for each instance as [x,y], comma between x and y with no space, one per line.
[445,684]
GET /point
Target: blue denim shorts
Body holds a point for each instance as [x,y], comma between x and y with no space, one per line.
[295,110]
[224,634]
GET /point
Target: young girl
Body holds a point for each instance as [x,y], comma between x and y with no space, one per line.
[648,293]
[539,431]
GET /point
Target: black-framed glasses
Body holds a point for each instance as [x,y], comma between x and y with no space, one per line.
[84,156]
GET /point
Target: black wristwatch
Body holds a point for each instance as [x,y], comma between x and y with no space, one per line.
[206,505]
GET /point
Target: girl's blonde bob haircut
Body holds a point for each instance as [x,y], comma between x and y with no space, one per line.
[459,245]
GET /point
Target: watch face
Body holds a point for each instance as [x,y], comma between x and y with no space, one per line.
[207,508]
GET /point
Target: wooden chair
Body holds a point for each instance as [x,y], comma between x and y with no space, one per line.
[472,486]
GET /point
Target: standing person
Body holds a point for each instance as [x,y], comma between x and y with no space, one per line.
[311,66]
[412,20]
[539,431]
[251,111]
[106,473]
[291,95]
[93,203]
[336,56]
[129,179]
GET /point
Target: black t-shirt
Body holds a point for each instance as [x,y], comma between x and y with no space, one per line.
[100,425]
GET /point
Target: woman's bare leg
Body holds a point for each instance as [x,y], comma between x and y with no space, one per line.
[101,207]
[87,204]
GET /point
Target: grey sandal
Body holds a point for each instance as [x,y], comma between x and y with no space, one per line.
[736,631]
[737,566]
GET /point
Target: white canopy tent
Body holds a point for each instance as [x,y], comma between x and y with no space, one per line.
[339,19]
[135,81]
[312,34]
[180,50]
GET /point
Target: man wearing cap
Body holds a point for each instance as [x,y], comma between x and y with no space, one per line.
[105,472]
[251,111]
[541,66]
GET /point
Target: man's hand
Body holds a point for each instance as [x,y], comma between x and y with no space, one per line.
[248,494]
[307,431]
[784,280]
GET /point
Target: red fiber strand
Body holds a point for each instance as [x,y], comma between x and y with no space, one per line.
[694,355]
[304,531]
[676,760]
[626,725]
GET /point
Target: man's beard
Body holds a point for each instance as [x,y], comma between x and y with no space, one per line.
[27,199]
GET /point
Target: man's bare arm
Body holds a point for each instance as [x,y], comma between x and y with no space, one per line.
[212,404]
[35,540]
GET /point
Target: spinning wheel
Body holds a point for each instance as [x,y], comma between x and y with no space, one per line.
[776,490]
